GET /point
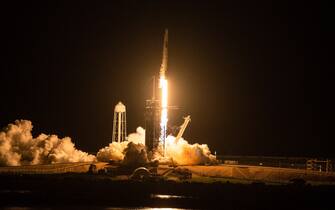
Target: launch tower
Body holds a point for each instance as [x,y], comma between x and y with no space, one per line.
[152,124]
[156,109]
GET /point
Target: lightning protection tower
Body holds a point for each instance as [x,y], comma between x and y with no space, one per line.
[119,123]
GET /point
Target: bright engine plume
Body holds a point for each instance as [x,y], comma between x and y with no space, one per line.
[163,85]
[164,112]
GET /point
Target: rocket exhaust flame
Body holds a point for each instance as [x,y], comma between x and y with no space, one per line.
[164,112]
[163,85]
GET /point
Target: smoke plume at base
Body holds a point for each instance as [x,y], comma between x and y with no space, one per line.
[183,153]
[135,155]
[116,151]
[19,147]
[177,152]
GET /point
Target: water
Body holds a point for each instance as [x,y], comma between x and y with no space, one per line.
[90,207]
[165,197]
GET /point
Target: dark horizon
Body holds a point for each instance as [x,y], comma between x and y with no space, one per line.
[248,74]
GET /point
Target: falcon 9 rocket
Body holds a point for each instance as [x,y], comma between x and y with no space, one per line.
[156,115]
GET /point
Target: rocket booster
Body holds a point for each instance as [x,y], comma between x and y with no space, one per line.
[165,55]
[163,85]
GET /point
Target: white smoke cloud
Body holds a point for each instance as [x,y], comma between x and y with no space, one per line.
[138,137]
[180,152]
[183,153]
[135,155]
[19,147]
[115,150]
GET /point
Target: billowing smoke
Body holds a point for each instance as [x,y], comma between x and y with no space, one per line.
[183,153]
[135,155]
[19,147]
[138,137]
[178,152]
[116,151]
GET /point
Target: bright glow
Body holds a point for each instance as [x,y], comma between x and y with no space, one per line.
[170,141]
[165,196]
[163,84]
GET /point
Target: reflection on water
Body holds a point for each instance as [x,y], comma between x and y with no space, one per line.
[144,208]
[17,208]
[165,197]
[92,207]
[161,196]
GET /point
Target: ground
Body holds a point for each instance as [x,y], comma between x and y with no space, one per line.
[208,174]
[90,191]
[101,185]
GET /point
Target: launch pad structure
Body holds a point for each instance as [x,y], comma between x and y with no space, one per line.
[155,131]
[152,123]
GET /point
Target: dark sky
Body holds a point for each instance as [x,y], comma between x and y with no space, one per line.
[247,73]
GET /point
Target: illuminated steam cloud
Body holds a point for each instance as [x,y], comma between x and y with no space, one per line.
[131,152]
[19,147]
[135,155]
[138,137]
[115,150]
[181,152]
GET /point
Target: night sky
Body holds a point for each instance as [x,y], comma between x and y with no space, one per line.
[247,73]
